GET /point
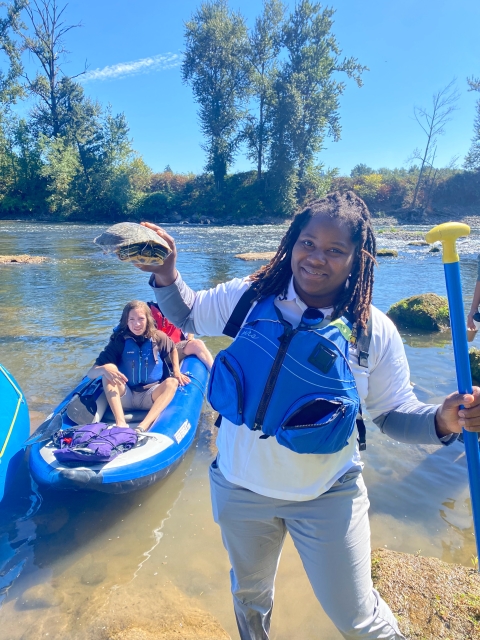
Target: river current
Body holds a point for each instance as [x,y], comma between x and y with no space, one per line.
[77,566]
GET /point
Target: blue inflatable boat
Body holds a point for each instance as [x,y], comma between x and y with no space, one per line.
[14,428]
[156,454]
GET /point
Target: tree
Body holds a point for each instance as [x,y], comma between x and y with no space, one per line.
[10,88]
[263,50]
[306,97]
[51,86]
[215,66]
[361,170]
[472,159]
[433,124]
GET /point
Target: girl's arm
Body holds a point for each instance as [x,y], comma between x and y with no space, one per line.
[106,363]
[109,371]
[181,378]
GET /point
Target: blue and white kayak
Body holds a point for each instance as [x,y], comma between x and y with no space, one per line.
[14,428]
[154,457]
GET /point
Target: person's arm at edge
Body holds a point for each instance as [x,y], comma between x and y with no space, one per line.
[474,307]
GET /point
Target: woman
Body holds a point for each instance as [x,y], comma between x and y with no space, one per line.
[267,478]
[132,367]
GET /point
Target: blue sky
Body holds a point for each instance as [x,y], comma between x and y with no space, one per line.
[412,48]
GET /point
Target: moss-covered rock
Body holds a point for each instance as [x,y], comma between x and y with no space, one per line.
[389,253]
[426,311]
[474,355]
[430,598]
[418,243]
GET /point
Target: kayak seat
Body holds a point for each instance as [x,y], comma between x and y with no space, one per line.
[131,416]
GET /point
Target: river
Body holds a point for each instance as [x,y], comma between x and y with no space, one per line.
[77,566]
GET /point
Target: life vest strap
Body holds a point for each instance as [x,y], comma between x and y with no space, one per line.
[234,323]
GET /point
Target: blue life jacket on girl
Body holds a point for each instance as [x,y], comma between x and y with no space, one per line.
[293,384]
[141,364]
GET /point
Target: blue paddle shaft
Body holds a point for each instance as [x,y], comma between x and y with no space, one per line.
[464,382]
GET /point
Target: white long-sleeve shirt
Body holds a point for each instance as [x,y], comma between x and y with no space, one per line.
[263,465]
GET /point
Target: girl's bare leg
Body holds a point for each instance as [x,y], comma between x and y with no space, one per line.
[198,348]
[161,396]
[113,392]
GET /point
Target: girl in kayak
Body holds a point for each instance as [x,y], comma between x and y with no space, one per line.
[133,368]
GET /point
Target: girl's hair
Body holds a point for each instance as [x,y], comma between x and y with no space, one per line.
[351,210]
[151,330]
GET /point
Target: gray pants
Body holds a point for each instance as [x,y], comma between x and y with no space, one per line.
[332,535]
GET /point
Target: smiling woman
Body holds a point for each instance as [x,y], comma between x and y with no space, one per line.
[288,390]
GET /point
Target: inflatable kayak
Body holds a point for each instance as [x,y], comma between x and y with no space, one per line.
[155,455]
[14,428]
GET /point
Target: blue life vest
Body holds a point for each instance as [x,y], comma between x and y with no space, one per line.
[141,363]
[293,384]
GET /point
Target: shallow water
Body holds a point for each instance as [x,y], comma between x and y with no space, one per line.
[73,563]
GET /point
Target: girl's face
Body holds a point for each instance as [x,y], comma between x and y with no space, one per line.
[322,259]
[137,322]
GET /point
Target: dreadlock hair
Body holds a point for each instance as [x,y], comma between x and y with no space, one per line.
[351,210]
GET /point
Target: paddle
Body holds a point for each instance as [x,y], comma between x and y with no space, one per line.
[46,430]
[55,420]
[447,234]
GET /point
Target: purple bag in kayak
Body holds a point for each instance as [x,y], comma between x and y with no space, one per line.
[93,443]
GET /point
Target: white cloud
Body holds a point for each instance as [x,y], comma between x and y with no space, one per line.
[160,62]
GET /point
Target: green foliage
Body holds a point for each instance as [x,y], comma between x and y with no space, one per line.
[262,53]
[360,170]
[214,65]
[60,168]
[306,106]
[10,88]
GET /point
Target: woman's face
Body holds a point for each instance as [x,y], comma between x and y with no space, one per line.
[137,322]
[322,259]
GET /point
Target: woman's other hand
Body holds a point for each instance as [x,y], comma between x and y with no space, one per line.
[450,418]
[165,273]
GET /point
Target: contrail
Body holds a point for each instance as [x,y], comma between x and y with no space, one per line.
[160,62]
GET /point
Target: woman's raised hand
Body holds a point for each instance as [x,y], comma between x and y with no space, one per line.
[165,273]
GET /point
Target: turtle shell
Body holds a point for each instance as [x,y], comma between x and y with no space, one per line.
[134,243]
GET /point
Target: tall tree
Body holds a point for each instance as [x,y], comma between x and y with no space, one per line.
[307,95]
[51,85]
[215,66]
[472,160]
[432,123]
[264,47]
[10,88]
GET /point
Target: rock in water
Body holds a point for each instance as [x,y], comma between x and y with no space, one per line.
[41,596]
[262,255]
[426,311]
[474,355]
[387,253]
[430,598]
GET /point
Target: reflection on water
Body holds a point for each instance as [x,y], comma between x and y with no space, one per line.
[76,563]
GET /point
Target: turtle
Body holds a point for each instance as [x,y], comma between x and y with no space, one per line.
[132,242]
